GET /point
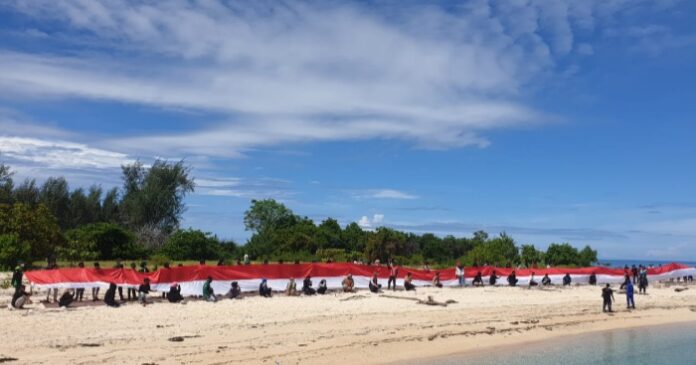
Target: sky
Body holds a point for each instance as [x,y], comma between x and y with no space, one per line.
[553,121]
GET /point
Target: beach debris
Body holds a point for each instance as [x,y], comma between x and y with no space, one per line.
[679,290]
[181,338]
[7,359]
[89,344]
[432,301]
[353,297]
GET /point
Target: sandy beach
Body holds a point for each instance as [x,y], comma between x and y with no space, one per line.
[336,328]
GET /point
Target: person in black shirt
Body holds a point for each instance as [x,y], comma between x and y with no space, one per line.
[110,296]
[80,292]
[235,291]
[143,291]
[593,279]
[375,286]
[493,278]
[66,299]
[408,282]
[608,297]
[512,278]
[20,297]
[95,289]
[174,294]
[478,280]
[566,280]
[119,265]
[307,286]
[322,287]
[546,280]
[264,290]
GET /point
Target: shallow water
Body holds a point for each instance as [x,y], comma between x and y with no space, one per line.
[641,346]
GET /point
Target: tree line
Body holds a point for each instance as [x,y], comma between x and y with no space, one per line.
[141,220]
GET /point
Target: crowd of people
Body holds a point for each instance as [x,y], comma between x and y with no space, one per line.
[633,276]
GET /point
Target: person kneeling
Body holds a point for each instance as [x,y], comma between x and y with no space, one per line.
[375,286]
[322,287]
[174,294]
[264,290]
[307,287]
[235,291]
[208,292]
[478,279]
[436,280]
[546,280]
[143,291]
[348,284]
[408,284]
[66,299]
[20,297]
[110,296]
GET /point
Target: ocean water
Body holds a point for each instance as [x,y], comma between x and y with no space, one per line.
[674,344]
[621,262]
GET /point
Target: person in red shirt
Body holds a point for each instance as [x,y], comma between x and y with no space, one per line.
[393,274]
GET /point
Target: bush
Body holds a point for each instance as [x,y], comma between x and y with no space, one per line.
[333,254]
[110,241]
[13,251]
[192,245]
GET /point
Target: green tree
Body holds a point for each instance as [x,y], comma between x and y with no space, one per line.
[499,251]
[266,215]
[329,234]
[154,197]
[56,197]
[384,243]
[587,256]
[13,251]
[192,244]
[562,255]
[110,207]
[27,193]
[530,256]
[108,240]
[354,238]
[6,184]
[34,227]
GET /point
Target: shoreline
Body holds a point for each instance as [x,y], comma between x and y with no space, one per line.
[562,338]
[337,328]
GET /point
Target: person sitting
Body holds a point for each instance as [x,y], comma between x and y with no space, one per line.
[322,287]
[348,284]
[478,279]
[493,278]
[593,279]
[512,279]
[532,282]
[20,297]
[291,288]
[66,299]
[174,294]
[546,280]
[436,280]
[208,292]
[143,291]
[307,286]
[235,291]
[408,282]
[264,290]
[567,280]
[374,285]
[110,296]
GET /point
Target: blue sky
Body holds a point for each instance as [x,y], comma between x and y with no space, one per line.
[555,121]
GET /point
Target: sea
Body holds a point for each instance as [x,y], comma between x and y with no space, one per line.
[654,345]
[619,263]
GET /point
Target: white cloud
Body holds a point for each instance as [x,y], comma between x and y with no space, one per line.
[59,154]
[366,223]
[385,194]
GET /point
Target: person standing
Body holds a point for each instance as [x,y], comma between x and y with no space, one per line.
[608,297]
[132,293]
[119,265]
[459,273]
[17,276]
[80,292]
[630,304]
[643,281]
[393,274]
[95,289]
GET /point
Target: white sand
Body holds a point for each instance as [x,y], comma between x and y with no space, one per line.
[338,328]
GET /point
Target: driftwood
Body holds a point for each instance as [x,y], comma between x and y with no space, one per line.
[679,290]
[429,301]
